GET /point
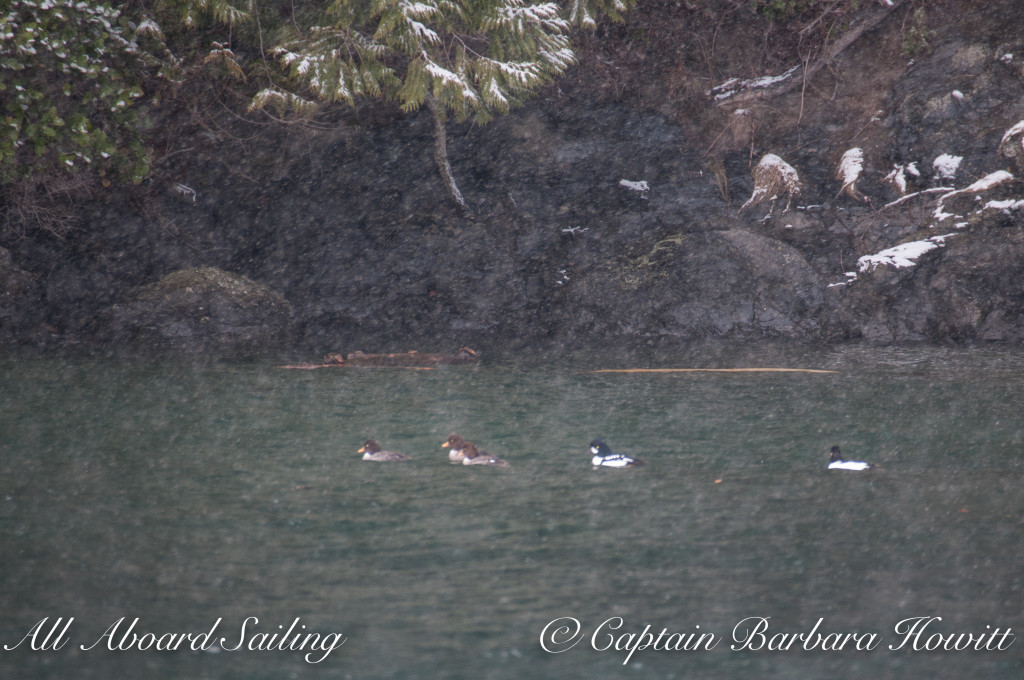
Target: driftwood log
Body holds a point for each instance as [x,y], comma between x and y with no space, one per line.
[413,359]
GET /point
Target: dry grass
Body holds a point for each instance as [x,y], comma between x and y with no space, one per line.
[43,203]
[772,178]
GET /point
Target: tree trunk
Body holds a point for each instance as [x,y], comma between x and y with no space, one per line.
[441,154]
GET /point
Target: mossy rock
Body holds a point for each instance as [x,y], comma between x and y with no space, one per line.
[205,309]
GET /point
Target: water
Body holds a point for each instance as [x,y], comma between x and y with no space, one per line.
[186,494]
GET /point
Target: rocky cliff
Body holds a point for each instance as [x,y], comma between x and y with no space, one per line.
[620,207]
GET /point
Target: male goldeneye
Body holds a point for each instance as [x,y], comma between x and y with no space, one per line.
[837,462]
[457,445]
[603,456]
[473,456]
[371,451]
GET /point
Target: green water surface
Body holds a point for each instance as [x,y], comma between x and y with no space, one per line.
[184,494]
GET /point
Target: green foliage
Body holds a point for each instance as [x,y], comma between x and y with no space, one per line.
[473,58]
[779,9]
[916,34]
[584,13]
[72,71]
[191,12]
[69,77]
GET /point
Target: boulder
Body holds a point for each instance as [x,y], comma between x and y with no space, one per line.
[969,288]
[732,283]
[204,309]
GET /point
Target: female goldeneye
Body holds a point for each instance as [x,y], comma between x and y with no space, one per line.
[837,462]
[457,444]
[603,457]
[473,456]
[371,451]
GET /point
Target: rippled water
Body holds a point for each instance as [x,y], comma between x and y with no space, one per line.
[186,494]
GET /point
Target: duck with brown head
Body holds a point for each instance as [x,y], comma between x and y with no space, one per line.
[455,445]
[371,451]
[473,456]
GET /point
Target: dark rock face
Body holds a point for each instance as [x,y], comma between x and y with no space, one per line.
[20,317]
[203,309]
[593,220]
[713,284]
[969,289]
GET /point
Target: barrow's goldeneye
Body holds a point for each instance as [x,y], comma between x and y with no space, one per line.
[456,444]
[371,451]
[474,456]
[837,462]
[603,457]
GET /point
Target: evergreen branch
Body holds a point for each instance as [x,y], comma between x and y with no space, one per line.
[281,101]
[223,56]
[584,13]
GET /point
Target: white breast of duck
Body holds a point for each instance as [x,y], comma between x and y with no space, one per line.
[455,445]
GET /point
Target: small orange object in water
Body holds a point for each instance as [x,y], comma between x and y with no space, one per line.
[718,481]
